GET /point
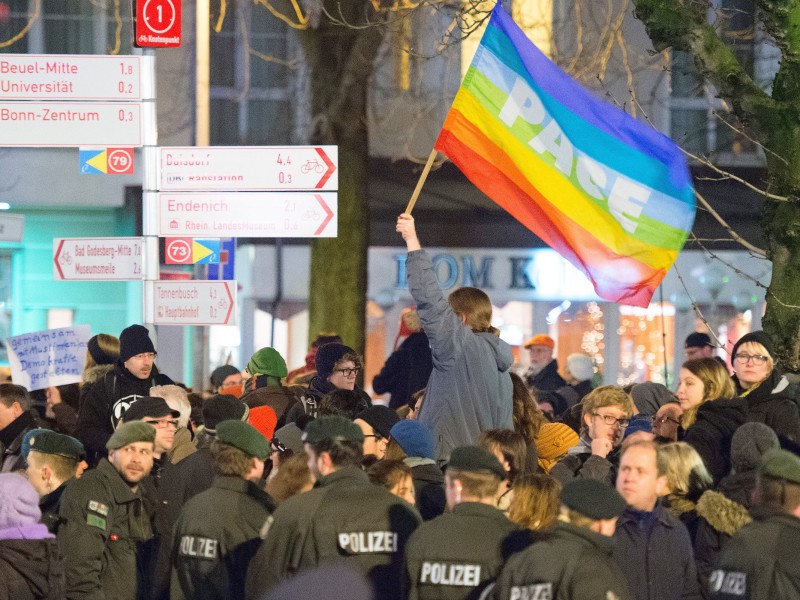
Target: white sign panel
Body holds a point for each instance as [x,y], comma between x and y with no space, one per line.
[98,259]
[253,168]
[250,214]
[194,302]
[12,228]
[70,124]
[48,358]
[70,77]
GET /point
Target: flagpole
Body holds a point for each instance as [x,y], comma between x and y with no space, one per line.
[421,181]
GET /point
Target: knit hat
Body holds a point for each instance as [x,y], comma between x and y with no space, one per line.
[580,365]
[291,437]
[781,464]
[99,356]
[380,418]
[697,340]
[638,423]
[129,433]
[650,396]
[414,438]
[553,442]
[541,340]
[333,428]
[749,444]
[475,460]
[45,441]
[20,505]
[264,419]
[267,361]
[754,336]
[149,406]
[134,340]
[327,357]
[592,499]
[220,374]
[221,408]
[245,437]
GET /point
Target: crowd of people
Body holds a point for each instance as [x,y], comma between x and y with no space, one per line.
[474,482]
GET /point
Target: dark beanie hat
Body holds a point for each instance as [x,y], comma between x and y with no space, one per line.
[223,407]
[749,444]
[592,499]
[98,354]
[380,418]
[134,340]
[414,438]
[327,357]
[219,374]
[474,459]
[759,337]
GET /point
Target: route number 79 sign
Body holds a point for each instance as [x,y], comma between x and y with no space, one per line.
[158,23]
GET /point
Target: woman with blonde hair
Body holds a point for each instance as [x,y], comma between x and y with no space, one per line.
[709,516]
[536,501]
[763,387]
[469,389]
[711,412]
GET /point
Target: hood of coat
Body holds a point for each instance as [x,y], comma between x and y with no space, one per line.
[501,350]
[723,514]
[96,373]
[725,415]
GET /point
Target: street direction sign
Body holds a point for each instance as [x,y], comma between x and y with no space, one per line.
[70,77]
[188,251]
[194,302]
[106,161]
[70,124]
[251,214]
[98,259]
[248,168]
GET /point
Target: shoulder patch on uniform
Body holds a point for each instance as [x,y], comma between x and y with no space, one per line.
[98,507]
[95,521]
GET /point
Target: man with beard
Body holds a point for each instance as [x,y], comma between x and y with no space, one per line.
[543,371]
[109,397]
[606,413]
[104,519]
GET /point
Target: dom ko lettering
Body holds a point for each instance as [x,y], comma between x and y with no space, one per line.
[465,271]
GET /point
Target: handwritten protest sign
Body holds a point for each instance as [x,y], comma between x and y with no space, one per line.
[48,358]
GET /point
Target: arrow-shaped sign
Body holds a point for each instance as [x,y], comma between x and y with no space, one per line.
[194,302]
[98,259]
[251,214]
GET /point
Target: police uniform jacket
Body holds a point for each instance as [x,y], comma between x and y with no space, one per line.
[570,563]
[103,521]
[345,518]
[216,535]
[457,554]
[760,561]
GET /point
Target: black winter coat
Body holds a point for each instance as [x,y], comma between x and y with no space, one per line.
[711,433]
[406,371]
[429,490]
[769,405]
[31,570]
[548,379]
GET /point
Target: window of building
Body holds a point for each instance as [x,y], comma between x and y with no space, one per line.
[701,122]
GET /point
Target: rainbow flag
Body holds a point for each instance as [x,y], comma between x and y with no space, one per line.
[609,193]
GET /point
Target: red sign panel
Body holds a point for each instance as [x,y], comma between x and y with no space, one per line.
[119,161]
[178,251]
[158,23]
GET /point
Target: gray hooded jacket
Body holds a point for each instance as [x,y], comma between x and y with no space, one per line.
[469,390]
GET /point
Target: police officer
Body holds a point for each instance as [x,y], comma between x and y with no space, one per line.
[345,518]
[52,459]
[218,530]
[760,561]
[104,519]
[458,553]
[575,560]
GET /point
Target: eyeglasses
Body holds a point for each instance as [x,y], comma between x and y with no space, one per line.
[164,423]
[609,420]
[662,420]
[378,437]
[758,360]
[349,372]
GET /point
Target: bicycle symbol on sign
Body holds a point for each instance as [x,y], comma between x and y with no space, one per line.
[312,165]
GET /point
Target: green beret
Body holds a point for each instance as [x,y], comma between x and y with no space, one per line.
[45,441]
[593,499]
[780,464]
[476,460]
[245,437]
[267,361]
[333,428]
[128,433]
